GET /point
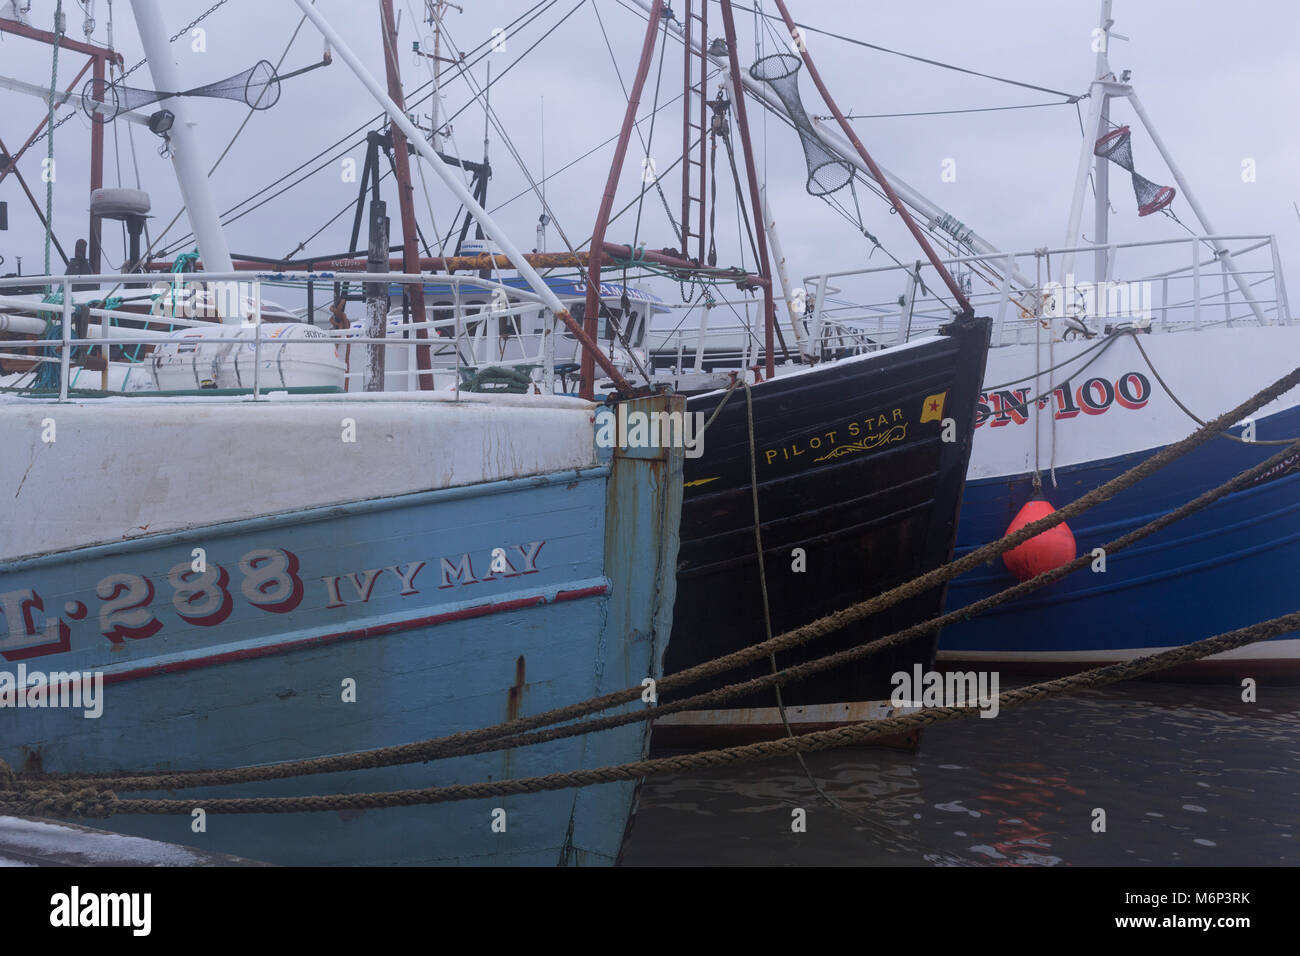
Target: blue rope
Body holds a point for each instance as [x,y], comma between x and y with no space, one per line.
[49,374]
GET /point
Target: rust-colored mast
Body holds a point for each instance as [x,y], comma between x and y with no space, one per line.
[405,192]
[924,243]
[690,55]
[99,56]
[587,379]
[755,201]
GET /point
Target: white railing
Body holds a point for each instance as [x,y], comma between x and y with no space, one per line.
[1179,284]
[473,326]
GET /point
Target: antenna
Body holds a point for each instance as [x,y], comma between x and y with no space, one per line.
[543,219]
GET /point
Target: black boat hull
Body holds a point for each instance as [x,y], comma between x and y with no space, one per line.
[854,469]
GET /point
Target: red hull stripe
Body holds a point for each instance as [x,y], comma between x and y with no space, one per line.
[269,650]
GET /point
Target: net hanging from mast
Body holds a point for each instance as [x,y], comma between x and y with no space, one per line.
[1117,146]
[827,173]
[258,87]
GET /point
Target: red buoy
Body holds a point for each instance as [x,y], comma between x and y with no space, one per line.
[1043,552]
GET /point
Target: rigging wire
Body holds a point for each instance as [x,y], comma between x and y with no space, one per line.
[332,149]
[981,109]
[144,256]
[647,167]
[645,147]
[1069,97]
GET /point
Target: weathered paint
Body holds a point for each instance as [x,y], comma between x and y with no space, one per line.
[430,654]
[120,468]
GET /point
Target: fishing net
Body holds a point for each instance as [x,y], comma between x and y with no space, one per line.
[257,87]
[1117,147]
[826,171]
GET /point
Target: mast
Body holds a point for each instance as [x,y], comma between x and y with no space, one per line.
[1101,89]
[457,188]
[1101,172]
[755,201]
[186,153]
[405,192]
[787,291]
[586,388]
[936,215]
[701,127]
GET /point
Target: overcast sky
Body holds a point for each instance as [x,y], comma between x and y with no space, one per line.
[1219,81]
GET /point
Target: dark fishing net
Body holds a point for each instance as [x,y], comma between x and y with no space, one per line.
[257,87]
[826,171]
[1151,197]
[1117,146]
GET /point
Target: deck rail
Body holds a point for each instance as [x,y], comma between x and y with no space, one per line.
[1168,285]
[465,333]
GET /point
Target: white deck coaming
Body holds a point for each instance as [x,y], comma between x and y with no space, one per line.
[120,468]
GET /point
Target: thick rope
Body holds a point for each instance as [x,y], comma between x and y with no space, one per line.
[104,803]
[767,617]
[427,750]
[503,737]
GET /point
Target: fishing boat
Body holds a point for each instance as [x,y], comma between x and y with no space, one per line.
[242,561]
[858,454]
[1102,353]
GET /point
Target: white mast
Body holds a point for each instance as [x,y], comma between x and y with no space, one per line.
[778,262]
[186,152]
[1102,90]
[1101,172]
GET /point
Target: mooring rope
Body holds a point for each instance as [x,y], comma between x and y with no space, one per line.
[462,742]
[767,608]
[101,803]
[437,749]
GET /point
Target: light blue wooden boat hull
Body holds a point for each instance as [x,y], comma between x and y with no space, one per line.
[586,612]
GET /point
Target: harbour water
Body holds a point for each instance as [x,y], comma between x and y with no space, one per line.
[1187,774]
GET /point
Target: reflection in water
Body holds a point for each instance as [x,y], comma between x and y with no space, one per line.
[1185,774]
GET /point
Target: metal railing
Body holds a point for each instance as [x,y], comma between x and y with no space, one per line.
[1181,284]
[477,306]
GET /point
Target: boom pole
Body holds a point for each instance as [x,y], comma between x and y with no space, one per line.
[586,387]
[457,188]
[405,193]
[755,200]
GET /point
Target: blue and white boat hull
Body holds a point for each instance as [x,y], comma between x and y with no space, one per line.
[356,625]
[1226,567]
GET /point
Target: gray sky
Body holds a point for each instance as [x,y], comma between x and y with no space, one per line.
[1218,80]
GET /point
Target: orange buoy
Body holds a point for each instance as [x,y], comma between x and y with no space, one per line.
[1043,552]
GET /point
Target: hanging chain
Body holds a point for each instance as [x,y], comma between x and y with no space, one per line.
[180,33]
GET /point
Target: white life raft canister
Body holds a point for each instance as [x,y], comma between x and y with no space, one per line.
[290,358]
